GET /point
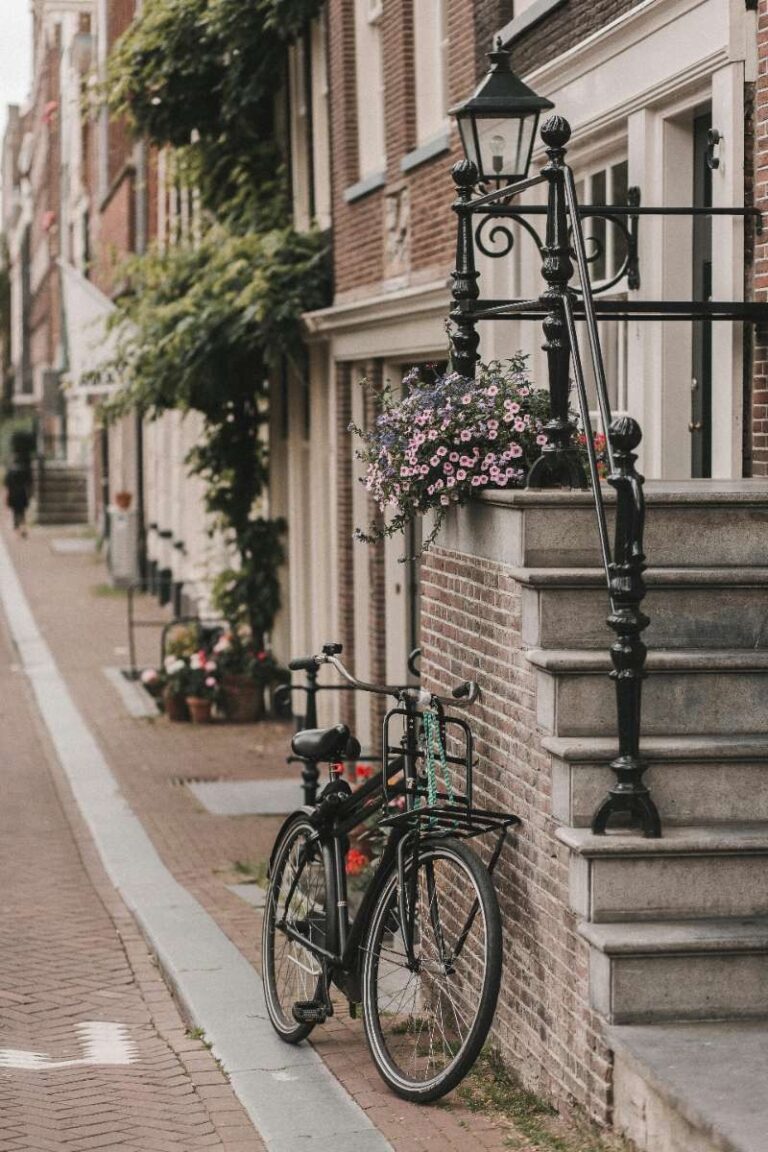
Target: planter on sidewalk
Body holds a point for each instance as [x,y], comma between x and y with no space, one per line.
[199,709]
[175,706]
[243,698]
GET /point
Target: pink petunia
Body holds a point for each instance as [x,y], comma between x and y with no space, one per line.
[541,438]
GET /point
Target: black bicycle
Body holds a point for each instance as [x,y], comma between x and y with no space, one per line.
[423,954]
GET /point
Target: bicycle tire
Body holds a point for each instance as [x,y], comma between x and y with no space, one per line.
[290,972]
[397,999]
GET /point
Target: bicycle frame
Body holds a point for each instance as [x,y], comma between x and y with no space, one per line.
[342,956]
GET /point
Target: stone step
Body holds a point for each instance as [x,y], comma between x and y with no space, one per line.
[687,607]
[697,970]
[695,1087]
[687,874]
[693,523]
[711,691]
[693,779]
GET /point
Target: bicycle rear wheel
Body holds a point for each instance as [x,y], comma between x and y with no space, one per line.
[298,899]
[426,1018]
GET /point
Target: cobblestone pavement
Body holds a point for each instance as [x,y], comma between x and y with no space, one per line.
[77,984]
[85,628]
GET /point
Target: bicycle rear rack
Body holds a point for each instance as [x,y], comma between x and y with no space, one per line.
[453,819]
[449,811]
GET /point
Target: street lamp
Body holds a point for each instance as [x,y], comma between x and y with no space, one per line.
[498,123]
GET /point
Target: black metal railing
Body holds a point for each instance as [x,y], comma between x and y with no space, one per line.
[559,463]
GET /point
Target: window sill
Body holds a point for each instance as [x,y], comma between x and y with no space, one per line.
[434,147]
[537,11]
[365,187]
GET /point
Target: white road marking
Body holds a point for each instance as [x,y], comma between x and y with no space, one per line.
[103,1043]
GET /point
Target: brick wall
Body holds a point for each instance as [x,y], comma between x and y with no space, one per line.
[562,29]
[471,630]
[759,397]
[359,227]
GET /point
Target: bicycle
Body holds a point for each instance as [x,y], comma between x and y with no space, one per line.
[423,955]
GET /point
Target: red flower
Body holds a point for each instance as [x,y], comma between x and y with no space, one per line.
[356,862]
[363,771]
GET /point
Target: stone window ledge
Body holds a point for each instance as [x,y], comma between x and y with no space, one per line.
[434,147]
[365,186]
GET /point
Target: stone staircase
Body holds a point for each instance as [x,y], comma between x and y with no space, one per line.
[677,928]
[62,494]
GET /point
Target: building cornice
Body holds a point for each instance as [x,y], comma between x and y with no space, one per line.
[585,56]
[375,311]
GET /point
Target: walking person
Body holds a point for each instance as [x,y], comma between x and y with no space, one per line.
[18,488]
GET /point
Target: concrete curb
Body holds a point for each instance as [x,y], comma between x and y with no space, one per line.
[289,1094]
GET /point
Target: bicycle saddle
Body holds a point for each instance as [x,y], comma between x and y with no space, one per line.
[325,743]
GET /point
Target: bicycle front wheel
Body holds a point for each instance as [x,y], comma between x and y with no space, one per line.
[298,907]
[427,1013]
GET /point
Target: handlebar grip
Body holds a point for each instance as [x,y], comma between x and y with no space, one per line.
[304,664]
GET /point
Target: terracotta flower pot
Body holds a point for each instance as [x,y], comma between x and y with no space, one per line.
[243,698]
[123,499]
[175,706]
[199,709]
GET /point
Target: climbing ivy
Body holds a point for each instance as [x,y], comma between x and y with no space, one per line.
[205,325]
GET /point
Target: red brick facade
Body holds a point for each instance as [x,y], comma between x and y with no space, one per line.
[471,630]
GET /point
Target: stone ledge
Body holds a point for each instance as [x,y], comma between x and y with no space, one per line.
[710,1075]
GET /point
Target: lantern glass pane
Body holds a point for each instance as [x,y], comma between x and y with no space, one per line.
[468,139]
[505,145]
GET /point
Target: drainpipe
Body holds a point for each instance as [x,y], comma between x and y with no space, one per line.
[140,244]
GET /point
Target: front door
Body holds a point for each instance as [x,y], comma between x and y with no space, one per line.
[700,424]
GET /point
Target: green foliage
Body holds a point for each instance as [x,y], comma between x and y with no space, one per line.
[202,326]
[250,595]
[203,74]
[201,329]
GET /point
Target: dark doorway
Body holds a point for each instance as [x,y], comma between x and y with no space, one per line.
[700,424]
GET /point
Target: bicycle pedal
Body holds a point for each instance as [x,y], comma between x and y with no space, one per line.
[310,1012]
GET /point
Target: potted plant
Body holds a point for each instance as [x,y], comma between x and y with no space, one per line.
[243,693]
[202,687]
[446,438]
[176,675]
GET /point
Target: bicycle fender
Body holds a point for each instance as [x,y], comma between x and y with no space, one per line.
[305,810]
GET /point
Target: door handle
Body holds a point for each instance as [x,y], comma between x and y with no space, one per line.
[695,426]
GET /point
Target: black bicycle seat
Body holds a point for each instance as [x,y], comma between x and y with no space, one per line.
[322,743]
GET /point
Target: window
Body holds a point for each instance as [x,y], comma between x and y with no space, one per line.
[430,38]
[370,88]
[310,148]
[606,183]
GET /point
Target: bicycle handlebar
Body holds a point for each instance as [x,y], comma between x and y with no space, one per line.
[462,695]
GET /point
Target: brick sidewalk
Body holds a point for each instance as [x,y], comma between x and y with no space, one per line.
[71,954]
[86,632]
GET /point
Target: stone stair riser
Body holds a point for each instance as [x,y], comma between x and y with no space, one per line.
[681,617]
[645,1116]
[658,887]
[677,536]
[674,703]
[689,986]
[704,792]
